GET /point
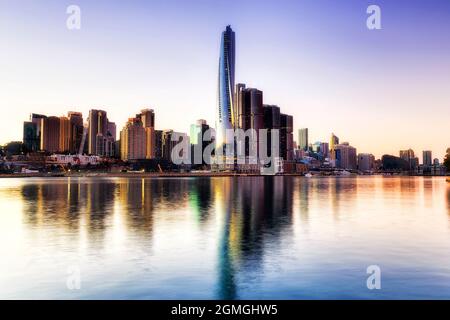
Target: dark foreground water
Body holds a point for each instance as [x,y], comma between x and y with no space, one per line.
[224,238]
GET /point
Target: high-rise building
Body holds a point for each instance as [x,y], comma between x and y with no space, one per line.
[366,162]
[345,156]
[169,142]
[158,144]
[325,149]
[64,135]
[147,117]
[50,131]
[198,144]
[333,142]
[303,139]
[132,140]
[30,136]
[225,110]
[408,156]
[271,122]
[76,131]
[286,137]
[250,114]
[98,130]
[427,158]
[37,120]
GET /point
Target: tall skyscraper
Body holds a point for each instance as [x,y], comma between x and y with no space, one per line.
[64,134]
[198,146]
[147,117]
[37,119]
[333,142]
[98,129]
[303,139]
[225,116]
[286,137]
[30,136]
[271,122]
[158,144]
[427,158]
[250,113]
[76,135]
[101,134]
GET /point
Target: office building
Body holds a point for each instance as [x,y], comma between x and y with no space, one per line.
[333,142]
[250,115]
[427,158]
[147,117]
[303,139]
[50,131]
[76,131]
[286,137]
[345,156]
[271,122]
[132,140]
[30,136]
[366,162]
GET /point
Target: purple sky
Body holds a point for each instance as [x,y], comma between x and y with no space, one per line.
[381,90]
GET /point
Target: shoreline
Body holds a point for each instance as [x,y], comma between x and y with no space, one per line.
[190,175]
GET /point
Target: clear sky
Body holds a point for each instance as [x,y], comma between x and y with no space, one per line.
[380,90]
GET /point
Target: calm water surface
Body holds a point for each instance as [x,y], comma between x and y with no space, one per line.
[225,238]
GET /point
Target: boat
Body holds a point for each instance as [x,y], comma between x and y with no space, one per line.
[308,175]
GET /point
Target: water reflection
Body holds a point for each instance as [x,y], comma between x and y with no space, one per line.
[182,230]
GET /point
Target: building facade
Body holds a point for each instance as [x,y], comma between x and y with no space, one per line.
[133,140]
[225,109]
[303,139]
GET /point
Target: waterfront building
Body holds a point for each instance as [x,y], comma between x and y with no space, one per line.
[147,117]
[325,149]
[158,144]
[30,136]
[250,114]
[132,140]
[286,137]
[303,139]
[76,131]
[37,120]
[271,122]
[101,134]
[408,156]
[333,142]
[198,146]
[50,131]
[366,162]
[64,135]
[169,142]
[345,156]
[225,108]
[427,158]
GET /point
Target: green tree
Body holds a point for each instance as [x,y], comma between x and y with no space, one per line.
[447,160]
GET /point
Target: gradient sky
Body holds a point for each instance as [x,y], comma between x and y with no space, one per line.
[381,90]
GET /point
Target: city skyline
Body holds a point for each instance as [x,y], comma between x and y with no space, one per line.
[389,110]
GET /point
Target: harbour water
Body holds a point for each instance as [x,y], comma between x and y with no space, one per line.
[224,238]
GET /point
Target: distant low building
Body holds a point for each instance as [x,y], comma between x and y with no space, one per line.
[366,162]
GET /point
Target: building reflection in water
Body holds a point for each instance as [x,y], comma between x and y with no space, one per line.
[225,234]
[255,212]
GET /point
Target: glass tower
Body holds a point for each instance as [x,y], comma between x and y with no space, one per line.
[225,109]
